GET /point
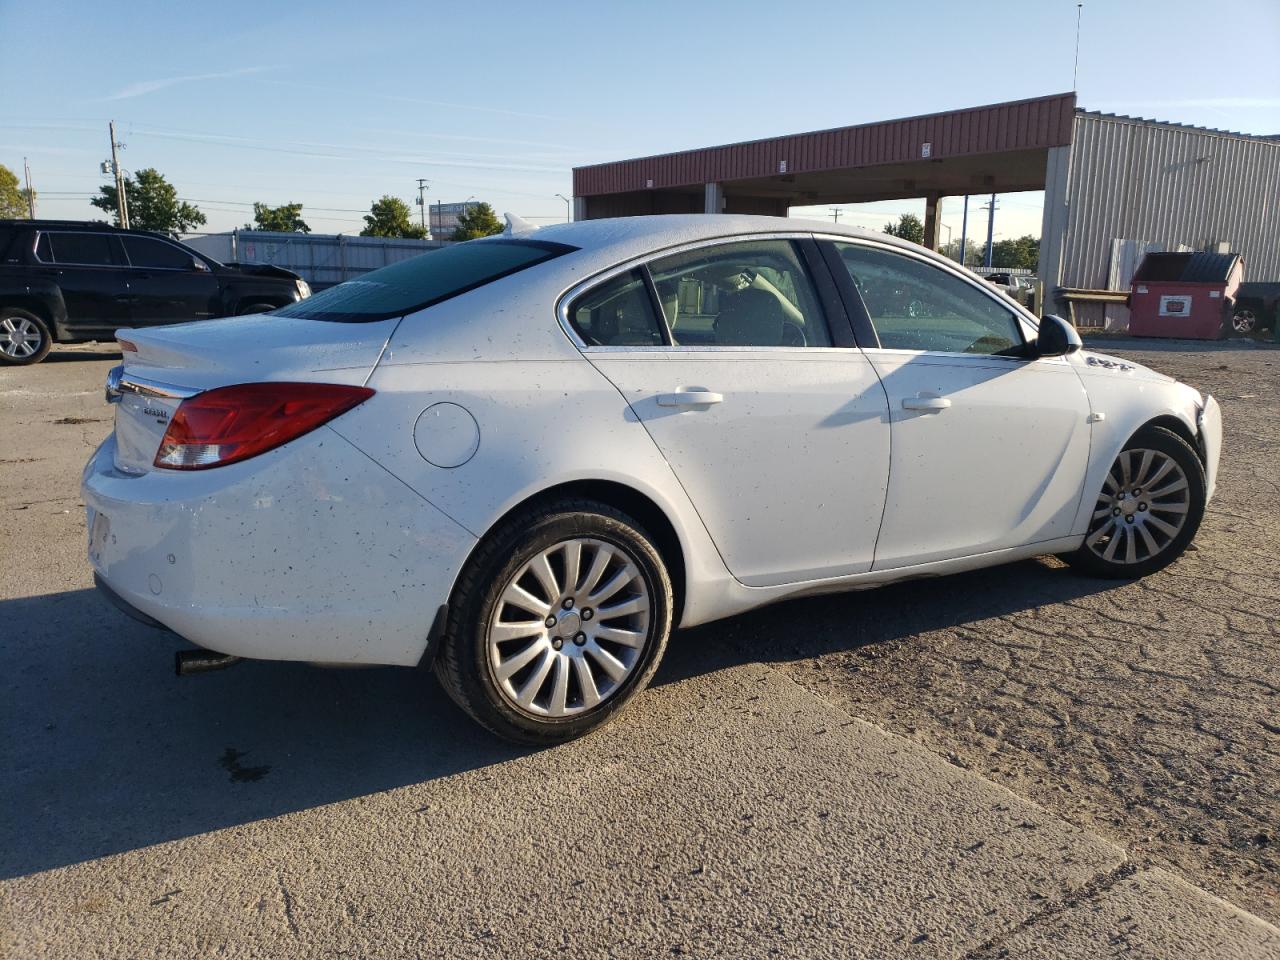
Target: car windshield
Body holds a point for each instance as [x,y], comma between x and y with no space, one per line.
[423,280]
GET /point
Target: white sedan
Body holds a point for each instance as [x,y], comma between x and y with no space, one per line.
[525,459]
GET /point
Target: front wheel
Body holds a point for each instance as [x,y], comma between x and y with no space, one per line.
[559,619]
[1244,321]
[1148,510]
[24,337]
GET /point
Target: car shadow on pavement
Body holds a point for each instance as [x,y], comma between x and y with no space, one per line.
[841,622]
[71,356]
[105,750]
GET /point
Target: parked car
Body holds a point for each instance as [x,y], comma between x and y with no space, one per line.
[69,281]
[1257,307]
[524,460]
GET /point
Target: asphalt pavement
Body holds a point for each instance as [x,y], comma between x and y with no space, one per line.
[283,810]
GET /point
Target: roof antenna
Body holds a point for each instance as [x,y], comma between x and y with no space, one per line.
[1075,67]
[517,225]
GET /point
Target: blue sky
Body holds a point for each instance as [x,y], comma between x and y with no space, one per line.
[334,104]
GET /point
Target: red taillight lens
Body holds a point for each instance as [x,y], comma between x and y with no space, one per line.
[222,426]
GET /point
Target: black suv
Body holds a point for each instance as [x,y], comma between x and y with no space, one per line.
[68,280]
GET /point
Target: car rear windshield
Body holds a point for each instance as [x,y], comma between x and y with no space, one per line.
[424,280]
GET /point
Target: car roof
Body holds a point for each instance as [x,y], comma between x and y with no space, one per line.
[622,238]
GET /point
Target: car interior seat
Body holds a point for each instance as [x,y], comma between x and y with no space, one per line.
[750,318]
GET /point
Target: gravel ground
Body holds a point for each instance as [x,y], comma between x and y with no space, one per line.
[1148,712]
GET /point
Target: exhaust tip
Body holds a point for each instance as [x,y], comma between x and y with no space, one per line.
[189,662]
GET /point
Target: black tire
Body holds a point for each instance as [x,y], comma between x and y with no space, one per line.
[257,308]
[1245,321]
[22,322]
[1166,442]
[463,663]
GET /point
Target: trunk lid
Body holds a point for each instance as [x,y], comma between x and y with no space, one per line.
[174,362]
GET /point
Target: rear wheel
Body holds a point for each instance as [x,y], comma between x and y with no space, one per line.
[24,337]
[1148,510]
[560,617]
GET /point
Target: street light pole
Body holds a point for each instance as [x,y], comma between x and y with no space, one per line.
[568,208]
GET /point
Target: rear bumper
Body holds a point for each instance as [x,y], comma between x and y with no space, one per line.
[308,552]
[1209,423]
[123,605]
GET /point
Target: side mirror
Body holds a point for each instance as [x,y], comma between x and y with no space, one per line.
[1057,338]
[199,265]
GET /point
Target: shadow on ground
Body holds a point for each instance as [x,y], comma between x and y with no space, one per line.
[105,750]
[71,356]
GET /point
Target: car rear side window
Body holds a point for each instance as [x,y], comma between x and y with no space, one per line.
[156,254]
[618,313]
[84,249]
[424,280]
[753,293]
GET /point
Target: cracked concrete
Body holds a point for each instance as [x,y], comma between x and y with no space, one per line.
[740,809]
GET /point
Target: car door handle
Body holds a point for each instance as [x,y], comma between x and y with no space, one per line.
[925,403]
[689,398]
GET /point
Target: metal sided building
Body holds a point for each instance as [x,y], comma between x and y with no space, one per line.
[321,259]
[1114,186]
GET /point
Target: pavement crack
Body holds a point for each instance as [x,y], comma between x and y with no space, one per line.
[287,898]
[1100,884]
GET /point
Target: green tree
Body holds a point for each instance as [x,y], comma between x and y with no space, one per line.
[13,199]
[972,252]
[286,218]
[389,217]
[908,227]
[153,204]
[477,220]
[1022,252]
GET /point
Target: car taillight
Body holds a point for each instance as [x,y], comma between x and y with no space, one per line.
[227,424]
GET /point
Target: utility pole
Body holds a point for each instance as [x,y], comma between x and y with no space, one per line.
[122,202]
[422,207]
[991,230]
[31,194]
[964,230]
[835,214]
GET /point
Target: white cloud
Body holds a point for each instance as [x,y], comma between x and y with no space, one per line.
[151,86]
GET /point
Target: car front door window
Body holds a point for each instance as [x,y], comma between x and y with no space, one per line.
[147,253]
[915,305]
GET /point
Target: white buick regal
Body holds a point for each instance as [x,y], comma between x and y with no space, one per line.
[525,459]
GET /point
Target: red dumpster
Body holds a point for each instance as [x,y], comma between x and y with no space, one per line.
[1187,295]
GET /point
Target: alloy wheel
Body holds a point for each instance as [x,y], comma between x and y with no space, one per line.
[19,337]
[1142,508]
[569,628]
[1244,321]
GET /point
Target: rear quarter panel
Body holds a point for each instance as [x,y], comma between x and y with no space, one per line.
[539,424]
